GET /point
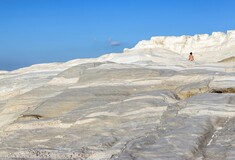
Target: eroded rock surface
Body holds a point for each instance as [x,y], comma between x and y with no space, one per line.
[146,104]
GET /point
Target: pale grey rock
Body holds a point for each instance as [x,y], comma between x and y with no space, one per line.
[144,104]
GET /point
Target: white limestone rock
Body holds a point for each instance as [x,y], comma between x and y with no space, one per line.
[147,103]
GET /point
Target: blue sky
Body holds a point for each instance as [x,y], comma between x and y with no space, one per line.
[41,31]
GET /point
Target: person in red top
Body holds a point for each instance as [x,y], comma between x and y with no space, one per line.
[191,58]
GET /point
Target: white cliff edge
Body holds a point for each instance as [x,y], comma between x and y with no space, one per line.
[208,48]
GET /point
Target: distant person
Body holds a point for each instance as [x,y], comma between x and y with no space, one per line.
[191,58]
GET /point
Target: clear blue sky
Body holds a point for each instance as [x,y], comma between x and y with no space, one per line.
[40,31]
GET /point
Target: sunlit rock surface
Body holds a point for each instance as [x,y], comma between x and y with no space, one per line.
[147,103]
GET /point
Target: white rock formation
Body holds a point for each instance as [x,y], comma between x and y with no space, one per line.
[147,103]
[219,44]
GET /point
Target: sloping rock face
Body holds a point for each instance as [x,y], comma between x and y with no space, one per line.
[144,104]
[208,48]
